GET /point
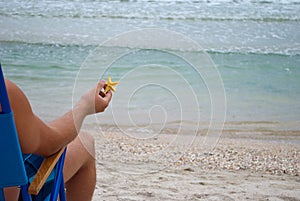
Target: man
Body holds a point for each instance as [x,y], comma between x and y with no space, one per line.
[37,137]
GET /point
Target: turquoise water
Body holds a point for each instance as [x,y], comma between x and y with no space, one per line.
[255,46]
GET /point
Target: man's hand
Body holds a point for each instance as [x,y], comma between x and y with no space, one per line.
[93,102]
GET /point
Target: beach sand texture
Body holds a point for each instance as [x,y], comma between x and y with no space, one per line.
[248,165]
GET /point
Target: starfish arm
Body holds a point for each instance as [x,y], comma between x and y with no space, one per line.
[113,89]
[108,79]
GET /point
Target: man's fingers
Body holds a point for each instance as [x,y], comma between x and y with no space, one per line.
[100,85]
[108,96]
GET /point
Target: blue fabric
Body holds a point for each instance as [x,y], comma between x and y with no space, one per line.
[32,163]
[13,172]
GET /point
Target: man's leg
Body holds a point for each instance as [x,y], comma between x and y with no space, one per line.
[80,168]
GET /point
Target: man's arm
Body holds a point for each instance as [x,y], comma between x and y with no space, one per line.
[45,139]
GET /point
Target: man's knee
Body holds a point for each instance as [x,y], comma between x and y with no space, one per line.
[88,142]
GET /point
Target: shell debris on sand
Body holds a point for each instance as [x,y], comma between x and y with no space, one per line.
[229,154]
[270,158]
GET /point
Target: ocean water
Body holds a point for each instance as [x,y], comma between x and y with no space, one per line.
[250,52]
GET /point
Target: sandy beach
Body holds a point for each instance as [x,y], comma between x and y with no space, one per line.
[257,162]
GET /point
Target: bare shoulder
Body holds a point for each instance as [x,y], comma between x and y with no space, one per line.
[24,118]
[18,100]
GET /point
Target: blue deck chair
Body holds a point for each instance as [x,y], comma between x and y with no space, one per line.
[12,170]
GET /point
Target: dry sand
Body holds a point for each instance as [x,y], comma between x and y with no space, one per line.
[247,164]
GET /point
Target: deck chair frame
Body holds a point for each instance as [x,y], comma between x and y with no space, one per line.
[12,170]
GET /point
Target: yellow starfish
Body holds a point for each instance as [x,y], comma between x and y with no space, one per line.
[110,85]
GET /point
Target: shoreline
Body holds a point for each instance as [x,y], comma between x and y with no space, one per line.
[266,131]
